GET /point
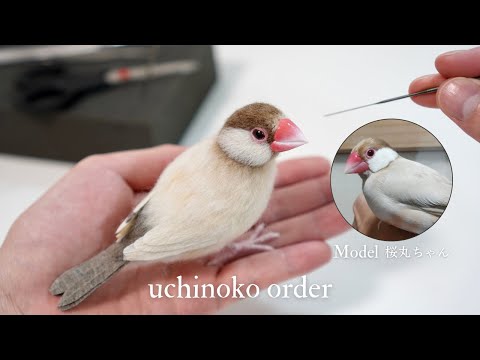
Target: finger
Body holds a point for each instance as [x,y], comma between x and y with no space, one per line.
[423,83]
[459,99]
[82,211]
[298,199]
[139,168]
[138,197]
[321,224]
[276,266]
[461,63]
[295,170]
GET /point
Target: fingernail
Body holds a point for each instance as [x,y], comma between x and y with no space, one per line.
[460,98]
[452,52]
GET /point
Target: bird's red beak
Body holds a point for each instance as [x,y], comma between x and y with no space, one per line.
[287,137]
[355,164]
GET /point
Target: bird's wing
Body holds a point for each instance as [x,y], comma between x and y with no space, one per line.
[160,244]
[127,224]
[418,186]
[438,211]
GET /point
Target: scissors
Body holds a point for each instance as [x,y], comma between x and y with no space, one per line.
[55,87]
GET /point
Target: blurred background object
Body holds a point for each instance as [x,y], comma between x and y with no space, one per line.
[401,135]
[51,105]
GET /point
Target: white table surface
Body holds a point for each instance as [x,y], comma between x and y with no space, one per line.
[306,82]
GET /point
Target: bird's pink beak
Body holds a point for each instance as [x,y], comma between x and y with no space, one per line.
[355,164]
[287,137]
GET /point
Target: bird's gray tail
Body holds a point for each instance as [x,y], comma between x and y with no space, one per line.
[79,282]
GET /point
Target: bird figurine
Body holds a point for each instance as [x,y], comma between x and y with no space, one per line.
[203,201]
[401,192]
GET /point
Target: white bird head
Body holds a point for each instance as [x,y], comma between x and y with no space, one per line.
[370,155]
[254,134]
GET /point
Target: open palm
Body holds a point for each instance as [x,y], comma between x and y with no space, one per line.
[77,218]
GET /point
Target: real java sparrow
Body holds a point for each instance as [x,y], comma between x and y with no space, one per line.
[207,197]
[400,192]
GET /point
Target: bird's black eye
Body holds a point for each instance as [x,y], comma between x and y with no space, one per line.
[370,152]
[259,134]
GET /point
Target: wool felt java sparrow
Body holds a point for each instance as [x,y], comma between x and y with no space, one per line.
[400,192]
[202,202]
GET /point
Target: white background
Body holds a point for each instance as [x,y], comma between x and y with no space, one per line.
[306,82]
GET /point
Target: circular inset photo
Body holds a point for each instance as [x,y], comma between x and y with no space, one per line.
[391,180]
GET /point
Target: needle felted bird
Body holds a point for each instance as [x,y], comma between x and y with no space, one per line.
[204,200]
[400,192]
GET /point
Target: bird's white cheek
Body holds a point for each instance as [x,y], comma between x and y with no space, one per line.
[382,159]
[239,146]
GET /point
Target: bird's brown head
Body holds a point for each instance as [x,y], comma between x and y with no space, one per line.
[370,155]
[254,134]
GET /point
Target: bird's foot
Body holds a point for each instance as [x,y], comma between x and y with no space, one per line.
[247,244]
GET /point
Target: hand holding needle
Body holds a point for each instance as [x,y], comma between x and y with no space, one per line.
[417,93]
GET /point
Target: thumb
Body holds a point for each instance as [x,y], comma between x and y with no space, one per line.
[459,99]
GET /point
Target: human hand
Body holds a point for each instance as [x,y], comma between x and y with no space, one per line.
[77,218]
[368,224]
[459,95]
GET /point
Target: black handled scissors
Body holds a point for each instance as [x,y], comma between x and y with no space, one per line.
[55,87]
